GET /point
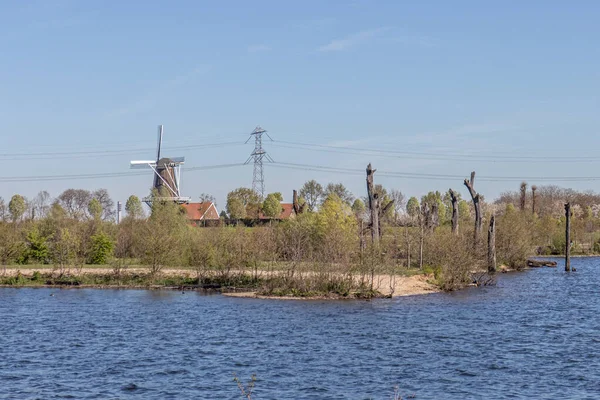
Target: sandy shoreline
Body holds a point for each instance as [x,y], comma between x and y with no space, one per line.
[394,286]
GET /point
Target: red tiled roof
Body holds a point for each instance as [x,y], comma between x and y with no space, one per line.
[201,211]
[286,212]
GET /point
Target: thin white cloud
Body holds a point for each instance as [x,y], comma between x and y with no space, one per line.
[149,100]
[258,48]
[352,40]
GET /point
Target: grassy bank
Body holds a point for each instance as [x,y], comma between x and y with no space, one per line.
[263,283]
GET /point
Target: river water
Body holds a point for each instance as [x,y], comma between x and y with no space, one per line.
[536,335]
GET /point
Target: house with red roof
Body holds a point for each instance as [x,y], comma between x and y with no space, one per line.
[201,213]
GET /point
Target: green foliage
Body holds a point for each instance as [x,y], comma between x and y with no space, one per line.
[159,237]
[11,245]
[95,209]
[17,207]
[413,207]
[102,248]
[236,208]
[133,207]
[36,248]
[271,207]
[358,207]
[243,203]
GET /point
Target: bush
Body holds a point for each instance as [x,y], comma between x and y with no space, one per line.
[101,249]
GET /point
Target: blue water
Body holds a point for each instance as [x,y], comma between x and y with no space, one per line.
[536,335]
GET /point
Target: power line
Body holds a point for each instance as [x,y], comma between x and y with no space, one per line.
[40,178]
[408,175]
[102,153]
[434,156]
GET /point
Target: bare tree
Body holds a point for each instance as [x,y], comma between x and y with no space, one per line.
[454,200]
[108,205]
[399,202]
[533,189]
[476,205]
[312,192]
[41,204]
[75,202]
[340,190]
[208,198]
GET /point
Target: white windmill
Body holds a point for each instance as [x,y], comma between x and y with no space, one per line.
[167,174]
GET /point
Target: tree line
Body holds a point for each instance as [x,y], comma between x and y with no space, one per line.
[327,245]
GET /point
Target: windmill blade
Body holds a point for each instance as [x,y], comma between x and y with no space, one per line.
[141,164]
[160,136]
[177,160]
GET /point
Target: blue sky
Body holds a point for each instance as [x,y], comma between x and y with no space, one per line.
[441,79]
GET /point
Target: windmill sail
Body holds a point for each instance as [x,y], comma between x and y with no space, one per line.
[167,173]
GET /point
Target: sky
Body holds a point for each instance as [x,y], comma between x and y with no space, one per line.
[426,91]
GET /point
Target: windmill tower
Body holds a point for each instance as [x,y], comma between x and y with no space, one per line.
[167,174]
[258,155]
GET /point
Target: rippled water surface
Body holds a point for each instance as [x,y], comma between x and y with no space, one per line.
[536,336]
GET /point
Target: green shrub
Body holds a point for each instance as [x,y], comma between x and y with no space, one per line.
[101,248]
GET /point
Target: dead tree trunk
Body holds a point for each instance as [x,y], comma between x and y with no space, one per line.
[533,189]
[423,218]
[476,204]
[492,245]
[568,238]
[454,200]
[407,247]
[523,195]
[298,208]
[373,205]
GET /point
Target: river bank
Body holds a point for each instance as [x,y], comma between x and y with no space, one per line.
[234,283]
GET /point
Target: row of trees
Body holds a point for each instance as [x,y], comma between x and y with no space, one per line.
[434,232]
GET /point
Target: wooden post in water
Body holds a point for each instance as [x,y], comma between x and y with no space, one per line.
[492,245]
[568,238]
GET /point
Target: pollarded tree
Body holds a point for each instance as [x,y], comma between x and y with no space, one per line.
[133,207]
[17,207]
[312,192]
